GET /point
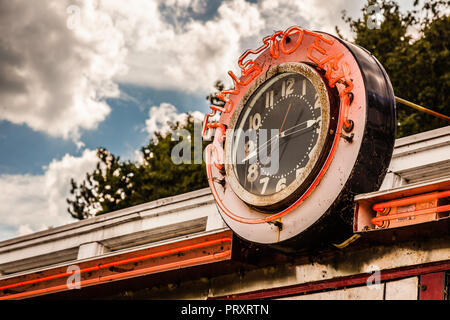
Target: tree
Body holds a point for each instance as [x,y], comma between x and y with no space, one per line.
[418,65]
[116,184]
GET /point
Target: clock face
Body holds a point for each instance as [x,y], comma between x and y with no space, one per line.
[279,135]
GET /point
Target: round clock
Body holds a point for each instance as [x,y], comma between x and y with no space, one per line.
[283,131]
[309,124]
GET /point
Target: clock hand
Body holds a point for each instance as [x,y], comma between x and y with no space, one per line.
[284,120]
[309,123]
[285,145]
[283,134]
[255,152]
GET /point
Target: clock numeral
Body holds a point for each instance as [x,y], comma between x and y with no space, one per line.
[253,172]
[298,172]
[269,99]
[249,147]
[265,182]
[304,88]
[281,184]
[287,87]
[317,102]
[255,121]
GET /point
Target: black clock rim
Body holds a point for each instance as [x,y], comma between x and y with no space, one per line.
[372,162]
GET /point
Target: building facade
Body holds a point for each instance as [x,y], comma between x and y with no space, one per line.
[180,248]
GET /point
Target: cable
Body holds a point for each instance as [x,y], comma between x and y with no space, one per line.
[347,242]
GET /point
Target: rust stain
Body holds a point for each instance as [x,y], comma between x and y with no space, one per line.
[279,230]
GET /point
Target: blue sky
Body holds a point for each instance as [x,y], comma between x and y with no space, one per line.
[25,150]
[76,75]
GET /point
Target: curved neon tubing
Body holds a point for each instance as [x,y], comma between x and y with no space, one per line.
[378,220]
[410,200]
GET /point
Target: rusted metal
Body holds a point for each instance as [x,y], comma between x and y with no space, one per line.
[354,280]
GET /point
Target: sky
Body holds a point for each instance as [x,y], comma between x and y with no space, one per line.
[78,75]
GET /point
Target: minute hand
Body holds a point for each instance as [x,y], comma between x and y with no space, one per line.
[287,132]
[255,152]
[284,133]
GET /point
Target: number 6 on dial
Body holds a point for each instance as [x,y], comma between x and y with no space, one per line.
[281,184]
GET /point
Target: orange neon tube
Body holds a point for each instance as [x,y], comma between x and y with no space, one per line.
[123,261]
[378,220]
[153,269]
[410,200]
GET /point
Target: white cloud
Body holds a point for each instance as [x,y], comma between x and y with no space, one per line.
[186,55]
[52,78]
[33,203]
[161,116]
[60,59]
[190,55]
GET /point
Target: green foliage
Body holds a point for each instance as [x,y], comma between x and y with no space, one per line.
[116,184]
[418,64]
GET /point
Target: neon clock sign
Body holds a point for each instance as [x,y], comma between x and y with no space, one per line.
[330,108]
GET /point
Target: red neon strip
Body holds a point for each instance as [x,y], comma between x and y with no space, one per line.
[153,269]
[410,200]
[378,220]
[124,261]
